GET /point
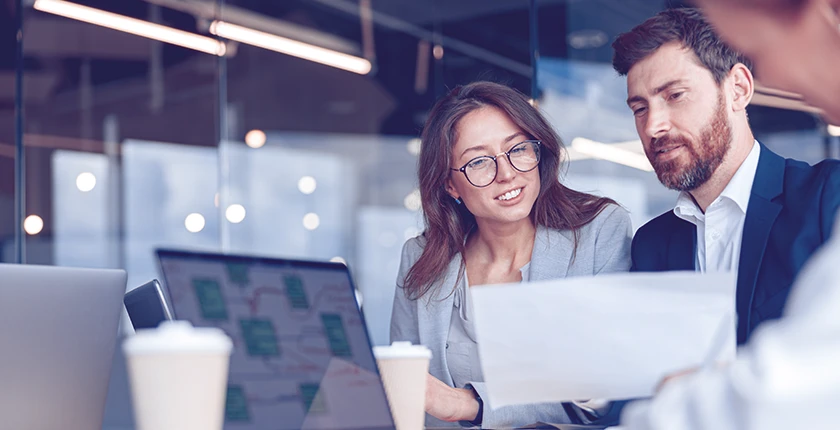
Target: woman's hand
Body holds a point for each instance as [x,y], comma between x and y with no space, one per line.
[449,404]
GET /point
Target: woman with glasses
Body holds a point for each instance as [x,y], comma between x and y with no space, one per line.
[495,212]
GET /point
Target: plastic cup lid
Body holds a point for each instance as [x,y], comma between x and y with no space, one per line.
[178,337]
[401,350]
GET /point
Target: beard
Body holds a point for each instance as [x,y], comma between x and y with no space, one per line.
[705,155]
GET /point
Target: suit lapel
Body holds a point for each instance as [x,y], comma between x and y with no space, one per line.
[552,254]
[761,215]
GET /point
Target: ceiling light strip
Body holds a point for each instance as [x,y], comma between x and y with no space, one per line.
[132,25]
[291,47]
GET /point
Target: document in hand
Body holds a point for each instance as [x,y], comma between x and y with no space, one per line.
[604,337]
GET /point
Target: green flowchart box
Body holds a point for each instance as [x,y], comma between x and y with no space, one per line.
[312,402]
[236,405]
[336,335]
[210,299]
[260,337]
[238,274]
[295,292]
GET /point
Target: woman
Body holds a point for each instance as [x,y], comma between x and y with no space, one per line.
[495,212]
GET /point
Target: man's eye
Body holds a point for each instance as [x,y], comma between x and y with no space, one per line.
[639,111]
[675,96]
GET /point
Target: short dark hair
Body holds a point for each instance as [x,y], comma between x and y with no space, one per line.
[687,26]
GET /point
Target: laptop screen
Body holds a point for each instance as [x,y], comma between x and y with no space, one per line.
[302,357]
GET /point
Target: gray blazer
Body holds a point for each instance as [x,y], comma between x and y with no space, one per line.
[603,247]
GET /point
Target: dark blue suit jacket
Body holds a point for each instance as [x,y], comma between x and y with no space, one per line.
[790,214]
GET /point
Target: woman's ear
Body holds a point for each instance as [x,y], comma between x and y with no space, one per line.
[450,189]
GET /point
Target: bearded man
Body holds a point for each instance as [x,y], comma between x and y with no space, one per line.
[741,208]
[786,376]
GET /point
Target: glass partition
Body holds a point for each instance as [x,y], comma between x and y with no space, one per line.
[104,103]
[241,145]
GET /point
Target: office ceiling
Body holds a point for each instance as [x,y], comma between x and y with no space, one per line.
[273,91]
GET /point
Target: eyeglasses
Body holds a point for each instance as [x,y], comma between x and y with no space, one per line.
[481,171]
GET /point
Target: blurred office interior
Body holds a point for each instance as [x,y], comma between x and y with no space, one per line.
[129,144]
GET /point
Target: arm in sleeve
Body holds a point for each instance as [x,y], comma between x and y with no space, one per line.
[786,377]
[634,252]
[830,203]
[522,415]
[612,254]
[404,314]
[612,242]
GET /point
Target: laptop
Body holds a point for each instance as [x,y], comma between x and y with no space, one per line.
[58,329]
[302,358]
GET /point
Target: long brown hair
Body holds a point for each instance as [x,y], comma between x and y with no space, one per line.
[448,223]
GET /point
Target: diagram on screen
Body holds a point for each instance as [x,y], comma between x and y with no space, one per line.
[299,342]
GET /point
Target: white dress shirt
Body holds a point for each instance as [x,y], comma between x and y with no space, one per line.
[721,227]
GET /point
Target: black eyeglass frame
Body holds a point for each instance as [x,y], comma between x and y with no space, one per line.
[463,169]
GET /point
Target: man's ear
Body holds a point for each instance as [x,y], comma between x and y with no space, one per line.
[742,86]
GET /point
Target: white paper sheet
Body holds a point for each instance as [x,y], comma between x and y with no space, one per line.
[603,337]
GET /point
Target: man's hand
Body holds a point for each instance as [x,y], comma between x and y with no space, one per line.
[449,404]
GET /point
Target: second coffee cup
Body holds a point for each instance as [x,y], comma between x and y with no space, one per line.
[404,367]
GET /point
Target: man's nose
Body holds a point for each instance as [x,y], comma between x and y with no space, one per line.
[657,123]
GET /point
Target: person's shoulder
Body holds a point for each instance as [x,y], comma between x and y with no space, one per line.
[612,215]
[654,228]
[804,183]
[829,169]
[411,251]
[823,171]
[413,248]
[612,223]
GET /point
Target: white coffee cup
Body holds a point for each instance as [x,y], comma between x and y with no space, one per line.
[404,367]
[178,376]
